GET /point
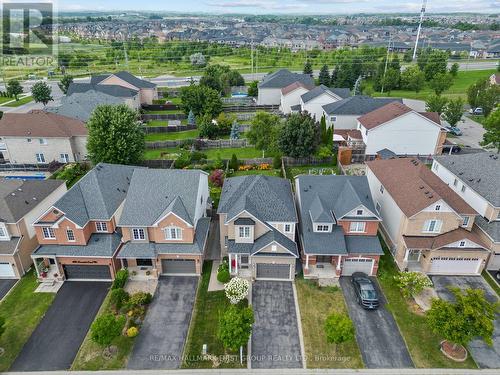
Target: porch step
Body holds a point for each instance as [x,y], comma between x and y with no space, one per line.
[330,281]
[50,282]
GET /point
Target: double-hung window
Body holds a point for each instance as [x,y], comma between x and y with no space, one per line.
[70,235]
[101,226]
[40,158]
[138,234]
[357,227]
[48,233]
[288,228]
[432,226]
[466,221]
[322,228]
[244,232]
[4,235]
[173,233]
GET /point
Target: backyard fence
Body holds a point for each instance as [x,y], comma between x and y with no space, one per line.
[158,163]
[311,160]
[45,167]
[167,129]
[247,100]
[160,107]
[163,116]
[252,108]
[200,143]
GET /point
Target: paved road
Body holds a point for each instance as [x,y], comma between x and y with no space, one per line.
[377,333]
[484,355]
[161,339]
[275,337]
[56,340]
[5,286]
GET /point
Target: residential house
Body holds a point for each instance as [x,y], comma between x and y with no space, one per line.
[21,202]
[402,130]
[338,226]
[81,105]
[290,97]
[147,90]
[476,179]
[344,113]
[427,225]
[40,137]
[164,222]
[78,234]
[272,84]
[313,101]
[257,219]
[125,95]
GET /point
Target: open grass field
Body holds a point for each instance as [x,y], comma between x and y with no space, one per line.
[422,344]
[315,305]
[22,310]
[459,89]
[204,324]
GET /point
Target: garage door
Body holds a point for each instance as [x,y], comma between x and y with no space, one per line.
[352,265]
[494,262]
[6,270]
[93,272]
[185,266]
[454,266]
[273,271]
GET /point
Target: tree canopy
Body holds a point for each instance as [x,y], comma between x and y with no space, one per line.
[235,326]
[491,138]
[14,88]
[201,100]
[41,92]
[264,129]
[299,137]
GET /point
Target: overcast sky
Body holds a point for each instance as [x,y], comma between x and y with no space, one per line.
[285,6]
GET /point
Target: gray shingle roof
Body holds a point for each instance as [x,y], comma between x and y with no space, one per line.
[162,191]
[97,195]
[283,78]
[357,105]
[363,245]
[113,90]
[18,197]
[244,221]
[127,77]
[150,249]
[480,171]
[343,92]
[99,245]
[81,105]
[322,89]
[267,198]
[266,239]
[8,247]
[492,228]
[339,195]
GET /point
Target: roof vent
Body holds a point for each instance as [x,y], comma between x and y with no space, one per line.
[460,173]
[430,196]
[19,189]
[478,180]
[26,202]
[427,192]
[34,198]
[421,187]
[13,194]
[306,189]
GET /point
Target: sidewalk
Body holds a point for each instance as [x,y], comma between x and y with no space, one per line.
[213,284]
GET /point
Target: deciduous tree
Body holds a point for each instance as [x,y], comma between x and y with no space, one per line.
[440,83]
[41,92]
[491,138]
[413,79]
[235,327]
[263,131]
[66,80]
[14,88]
[200,100]
[453,111]
[299,137]
[435,103]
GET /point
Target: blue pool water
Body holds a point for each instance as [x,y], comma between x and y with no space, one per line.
[35,177]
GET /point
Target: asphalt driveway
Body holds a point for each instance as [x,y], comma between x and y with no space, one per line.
[484,355]
[56,340]
[275,337]
[377,333]
[5,286]
[161,339]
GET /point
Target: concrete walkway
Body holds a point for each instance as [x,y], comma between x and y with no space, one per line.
[214,285]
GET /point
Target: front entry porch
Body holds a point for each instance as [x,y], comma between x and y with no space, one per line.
[322,266]
[140,269]
[412,260]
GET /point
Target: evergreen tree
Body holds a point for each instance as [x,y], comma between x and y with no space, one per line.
[324,76]
[191,120]
[308,68]
[235,130]
[333,77]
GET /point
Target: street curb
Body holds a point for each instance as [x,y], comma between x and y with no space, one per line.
[299,326]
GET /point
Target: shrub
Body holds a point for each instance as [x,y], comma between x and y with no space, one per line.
[236,290]
[121,278]
[339,328]
[234,163]
[132,332]
[106,328]
[216,178]
[412,283]
[118,297]
[325,152]
[140,299]
[277,162]
[235,326]
[223,276]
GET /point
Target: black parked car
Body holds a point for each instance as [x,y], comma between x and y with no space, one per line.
[366,293]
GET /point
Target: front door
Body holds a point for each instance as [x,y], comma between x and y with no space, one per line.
[323,259]
[414,255]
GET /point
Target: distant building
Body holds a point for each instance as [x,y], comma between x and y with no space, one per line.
[272,84]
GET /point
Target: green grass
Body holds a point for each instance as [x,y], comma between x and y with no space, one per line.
[459,88]
[176,100]
[227,153]
[326,169]
[157,137]
[20,102]
[4,99]
[90,358]
[479,119]
[422,343]
[171,153]
[165,112]
[22,310]
[315,305]
[271,172]
[489,279]
[157,123]
[204,324]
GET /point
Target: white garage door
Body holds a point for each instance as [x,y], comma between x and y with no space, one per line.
[352,265]
[454,266]
[6,270]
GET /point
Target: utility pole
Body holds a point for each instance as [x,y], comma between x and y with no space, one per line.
[386,63]
[251,58]
[422,13]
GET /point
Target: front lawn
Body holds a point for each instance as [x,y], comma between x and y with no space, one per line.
[4,99]
[22,310]
[172,136]
[489,279]
[20,102]
[422,344]
[204,324]
[315,305]
[90,356]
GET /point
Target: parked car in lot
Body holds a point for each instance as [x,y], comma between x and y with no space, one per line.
[476,111]
[366,293]
[454,130]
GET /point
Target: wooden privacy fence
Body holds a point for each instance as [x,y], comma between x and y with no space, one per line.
[164,116]
[167,129]
[201,143]
[311,160]
[251,108]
